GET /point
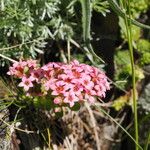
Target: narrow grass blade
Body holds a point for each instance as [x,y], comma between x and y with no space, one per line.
[119,12]
[102,110]
[147,141]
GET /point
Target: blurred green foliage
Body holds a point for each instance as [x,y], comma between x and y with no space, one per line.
[120,102]
[34,22]
[136,31]
[143,48]
[123,69]
[101,6]
[138,7]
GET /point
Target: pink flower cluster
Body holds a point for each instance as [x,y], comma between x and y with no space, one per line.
[66,83]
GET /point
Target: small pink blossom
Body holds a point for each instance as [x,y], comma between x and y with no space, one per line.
[17,69]
[57,100]
[49,84]
[87,83]
[75,63]
[37,75]
[31,63]
[58,88]
[70,98]
[26,83]
[77,89]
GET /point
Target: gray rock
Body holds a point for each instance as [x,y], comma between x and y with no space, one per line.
[144,99]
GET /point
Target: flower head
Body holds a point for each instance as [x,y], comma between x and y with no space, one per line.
[65,83]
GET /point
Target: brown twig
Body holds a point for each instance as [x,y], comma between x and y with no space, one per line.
[94,125]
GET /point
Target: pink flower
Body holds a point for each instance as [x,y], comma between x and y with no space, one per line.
[57,100]
[48,84]
[90,92]
[70,98]
[75,62]
[50,66]
[37,75]
[87,83]
[58,88]
[77,89]
[31,63]
[17,69]
[47,67]
[26,83]
[65,77]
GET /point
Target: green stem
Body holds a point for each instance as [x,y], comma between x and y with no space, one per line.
[5,57]
[129,37]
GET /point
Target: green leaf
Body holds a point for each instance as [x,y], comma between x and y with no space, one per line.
[36,102]
[59,114]
[86,25]
[76,107]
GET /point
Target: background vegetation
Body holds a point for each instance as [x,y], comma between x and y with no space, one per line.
[94,32]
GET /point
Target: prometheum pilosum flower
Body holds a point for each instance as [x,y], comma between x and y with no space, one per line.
[67,84]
